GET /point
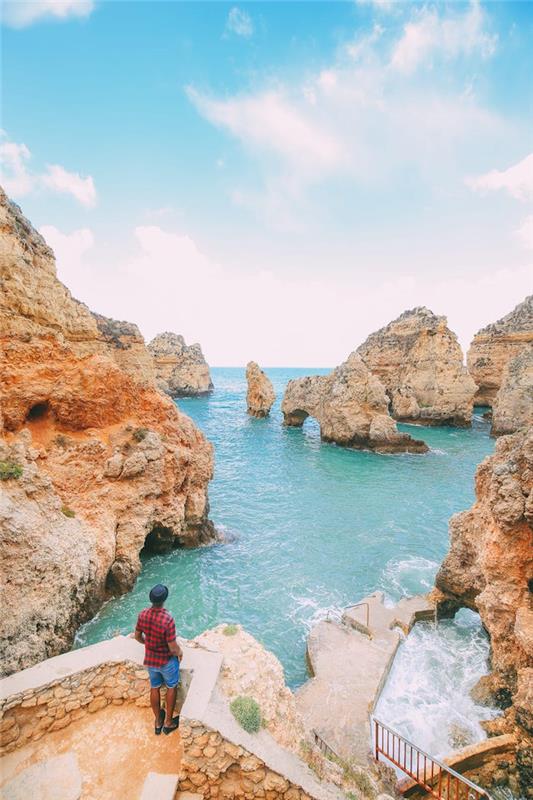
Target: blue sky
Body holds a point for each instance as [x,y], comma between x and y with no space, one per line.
[275,180]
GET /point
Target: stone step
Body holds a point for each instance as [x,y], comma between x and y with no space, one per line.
[159,787]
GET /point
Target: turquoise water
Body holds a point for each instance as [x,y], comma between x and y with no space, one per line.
[310,526]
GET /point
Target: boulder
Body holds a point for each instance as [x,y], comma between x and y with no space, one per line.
[260,395]
[419,361]
[351,408]
[181,369]
[494,346]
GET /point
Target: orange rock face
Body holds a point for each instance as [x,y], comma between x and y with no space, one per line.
[117,453]
[489,568]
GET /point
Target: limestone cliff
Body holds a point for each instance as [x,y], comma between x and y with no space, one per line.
[351,408]
[181,369]
[489,568]
[118,456]
[495,345]
[260,395]
[513,404]
[420,363]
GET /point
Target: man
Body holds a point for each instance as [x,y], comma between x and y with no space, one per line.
[162,655]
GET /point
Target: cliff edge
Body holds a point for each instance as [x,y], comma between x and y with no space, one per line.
[494,346]
[95,463]
[489,568]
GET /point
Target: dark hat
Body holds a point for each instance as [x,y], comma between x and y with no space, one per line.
[158,594]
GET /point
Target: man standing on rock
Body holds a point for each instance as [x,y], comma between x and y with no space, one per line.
[162,655]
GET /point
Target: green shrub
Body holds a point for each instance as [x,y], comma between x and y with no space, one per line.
[139,434]
[68,512]
[230,630]
[8,470]
[61,440]
[247,713]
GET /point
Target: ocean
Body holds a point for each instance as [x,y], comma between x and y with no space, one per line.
[311,528]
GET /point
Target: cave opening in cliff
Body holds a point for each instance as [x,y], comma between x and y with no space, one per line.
[38,411]
[160,539]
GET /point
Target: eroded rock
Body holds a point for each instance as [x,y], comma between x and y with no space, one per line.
[260,395]
[419,361]
[250,670]
[489,568]
[181,369]
[513,404]
[494,346]
[81,408]
[351,407]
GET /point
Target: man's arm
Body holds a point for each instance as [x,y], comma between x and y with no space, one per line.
[175,649]
[173,646]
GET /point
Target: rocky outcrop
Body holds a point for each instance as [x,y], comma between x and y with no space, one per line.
[419,361]
[260,396]
[494,346]
[351,408]
[489,568]
[513,404]
[44,547]
[80,411]
[251,671]
[181,369]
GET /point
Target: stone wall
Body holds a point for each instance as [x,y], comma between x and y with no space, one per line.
[29,715]
[217,768]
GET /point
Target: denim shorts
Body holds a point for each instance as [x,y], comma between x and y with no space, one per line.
[169,674]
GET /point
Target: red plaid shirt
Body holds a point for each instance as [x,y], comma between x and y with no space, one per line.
[159,629]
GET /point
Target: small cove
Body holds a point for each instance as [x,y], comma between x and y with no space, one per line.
[311,527]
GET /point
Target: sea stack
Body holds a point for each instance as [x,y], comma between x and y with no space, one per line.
[260,395]
[95,463]
[494,346]
[181,369]
[420,362]
[489,569]
[513,405]
[351,407]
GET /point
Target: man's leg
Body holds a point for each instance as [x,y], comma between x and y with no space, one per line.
[155,702]
[171,703]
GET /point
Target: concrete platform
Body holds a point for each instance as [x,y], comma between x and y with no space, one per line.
[350,661]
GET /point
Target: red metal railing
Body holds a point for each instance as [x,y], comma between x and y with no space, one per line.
[430,774]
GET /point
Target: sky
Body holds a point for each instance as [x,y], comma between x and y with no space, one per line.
[275,180]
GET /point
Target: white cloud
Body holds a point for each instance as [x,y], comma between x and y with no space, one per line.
[240,23]
[380,5]
[359,119]
[20,14]
[19,180]
[15,176]
[172,284]
[525,232]
[272,121]
[431,35]
[516,180]
[60,180]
